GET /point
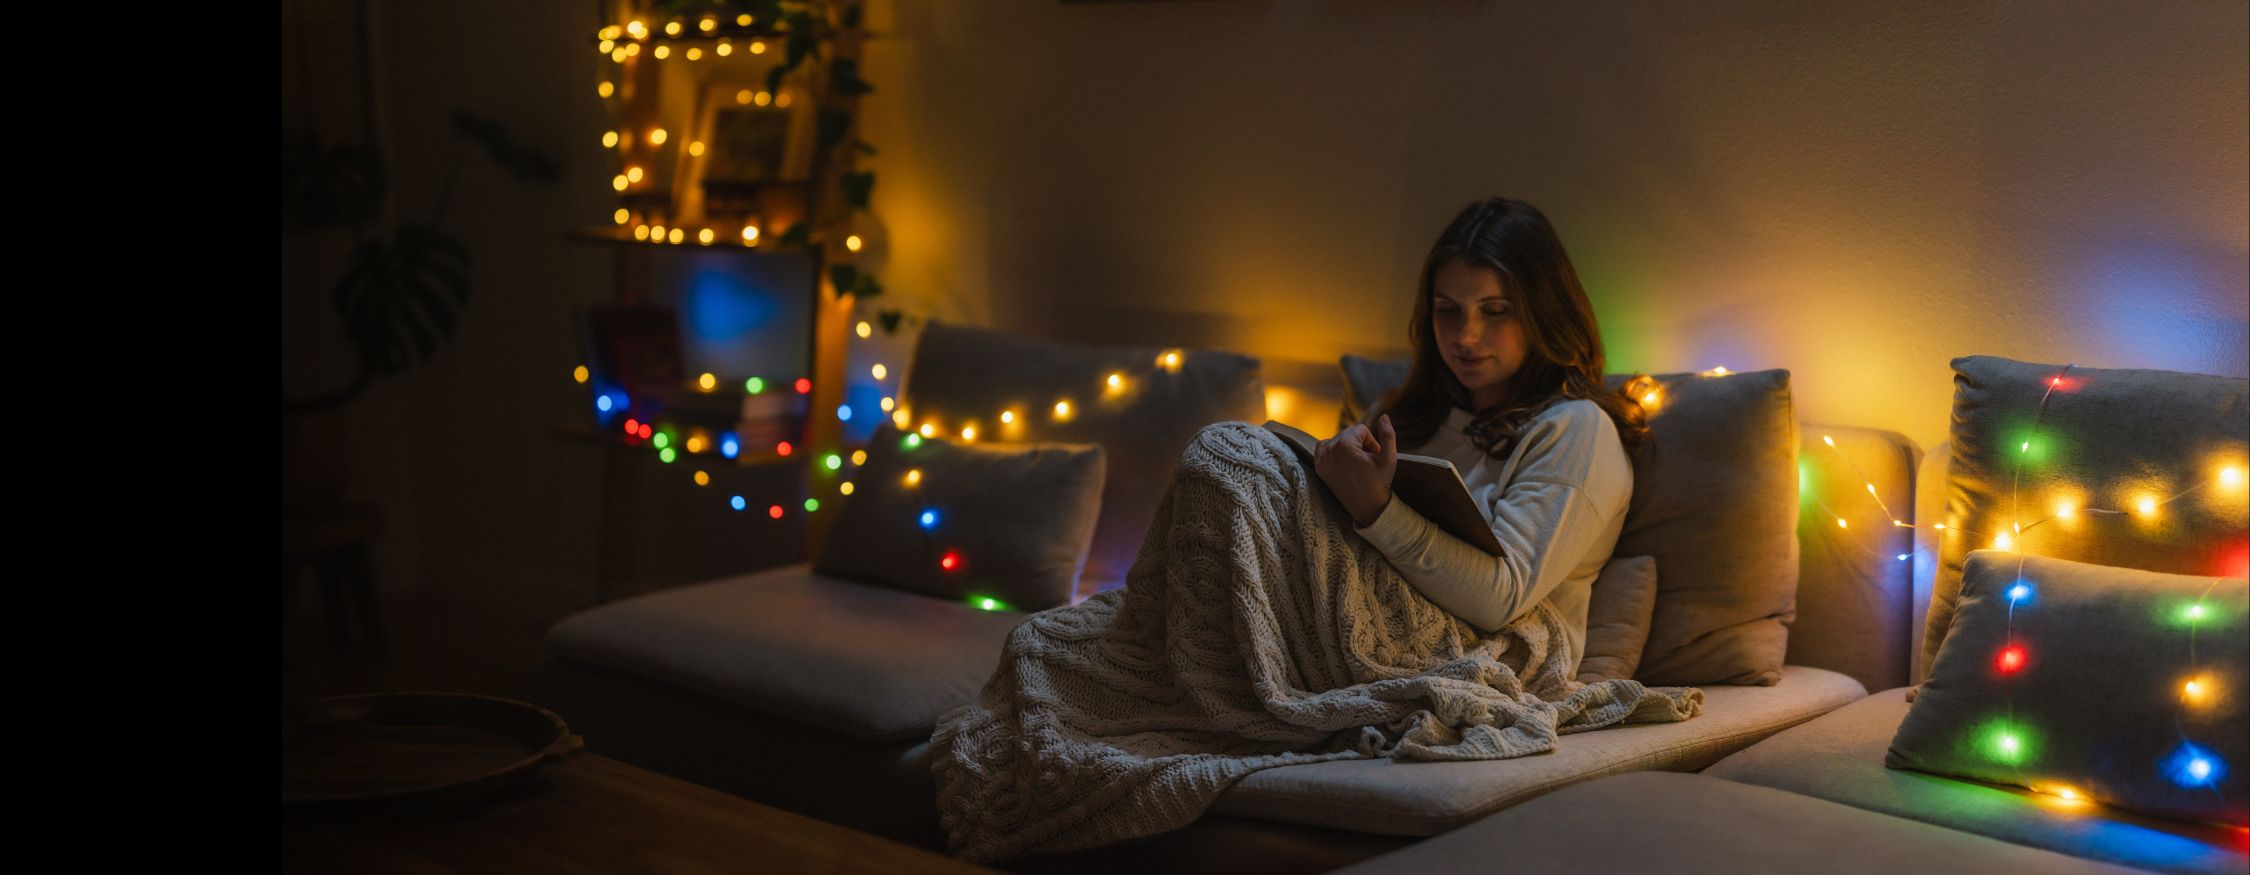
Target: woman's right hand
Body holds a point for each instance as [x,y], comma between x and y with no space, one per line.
[1357,464]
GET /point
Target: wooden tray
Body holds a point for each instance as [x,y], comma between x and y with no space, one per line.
[414,748]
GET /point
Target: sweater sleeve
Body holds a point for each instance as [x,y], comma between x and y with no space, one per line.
[1545,518]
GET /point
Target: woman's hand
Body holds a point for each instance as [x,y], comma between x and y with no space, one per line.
[1357,465]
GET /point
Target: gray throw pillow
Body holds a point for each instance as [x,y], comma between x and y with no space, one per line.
[970,376]
[1004,523]
[1715,502]
[2106,440]
[1617,617]
[2122,686]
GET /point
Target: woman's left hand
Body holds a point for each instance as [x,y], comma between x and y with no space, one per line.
[1357,465]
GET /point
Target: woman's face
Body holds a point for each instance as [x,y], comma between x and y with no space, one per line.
[1476,329]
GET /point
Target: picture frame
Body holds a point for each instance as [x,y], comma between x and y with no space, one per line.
[748,158]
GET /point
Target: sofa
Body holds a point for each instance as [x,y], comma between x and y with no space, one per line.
[818,694]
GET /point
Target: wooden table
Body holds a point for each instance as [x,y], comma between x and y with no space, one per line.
[594,814]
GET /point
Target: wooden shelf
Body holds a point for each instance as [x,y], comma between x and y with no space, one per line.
[618,236]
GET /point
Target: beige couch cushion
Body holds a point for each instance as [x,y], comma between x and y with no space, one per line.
[1839,757]
[1399,798]
[1690,824]
[876,663]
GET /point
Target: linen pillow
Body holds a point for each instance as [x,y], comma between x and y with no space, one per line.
[2031,440]
[1009,523]
[2115,684]
[970,376]
[1617,616]
[1715,502]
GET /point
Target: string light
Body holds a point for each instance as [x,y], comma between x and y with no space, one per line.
[757,47]
[620,182]
[928,430]
[812,504]
[671,28]
[988,603]
[579,374]
[754,385]
[696,443]
[1007,417]
[878,371]
[676,235]
[606,89]
[913,477]
[2193,690]
[707,382]
[968,433]
[738,503]
[844,487]
[928,519]
[1062,411]
[833,462]
[852,243]
[749,232]
[864,330]
[804,386]
[705,236]
[640,232]
[702,478]
[783,448]
[667,454]
[951,561]
[913,441]
[2012,658]
[844,413]
[602,403]
[1115,382]
[859,457]
[708,25]
[657,136]
[663,439]
[724,49]
[729,446]
[1169,360]
[663,52]
[889,403]
[899,417]
[774,511]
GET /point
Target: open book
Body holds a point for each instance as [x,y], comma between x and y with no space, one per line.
[1429,485]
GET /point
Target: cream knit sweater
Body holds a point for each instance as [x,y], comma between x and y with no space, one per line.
[1557,503]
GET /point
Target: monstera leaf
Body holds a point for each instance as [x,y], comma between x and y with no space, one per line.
[400,297]
[325,185]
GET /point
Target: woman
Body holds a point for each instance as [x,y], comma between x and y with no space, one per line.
[1507,385]
[1265,624]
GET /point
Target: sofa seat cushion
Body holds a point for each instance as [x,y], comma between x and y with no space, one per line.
[1839,757]
[1426,798]
[876,663]
[1688,824]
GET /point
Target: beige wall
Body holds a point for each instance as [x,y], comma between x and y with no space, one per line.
[1855,192]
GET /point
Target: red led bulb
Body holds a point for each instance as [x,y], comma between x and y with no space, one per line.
[2012,658]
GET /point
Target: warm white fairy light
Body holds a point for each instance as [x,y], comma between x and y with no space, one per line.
[1062,411]
[878,371]
[640,232]
[657,136]
[620,183]
[605,89]
[663,52]
[671,28]
[622,215]
[705,236]
[708,25]
[889,403]
[851,242]
[694,53]
[864,330]
[723,49]
[675,235]
[749,233]
[634,173]
[609,139]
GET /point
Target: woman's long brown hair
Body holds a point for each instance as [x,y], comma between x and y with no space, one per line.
[1564,356]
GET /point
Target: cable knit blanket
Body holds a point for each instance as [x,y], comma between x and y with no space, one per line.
[1256,630]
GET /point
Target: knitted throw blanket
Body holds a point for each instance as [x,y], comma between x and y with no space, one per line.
[1256,630]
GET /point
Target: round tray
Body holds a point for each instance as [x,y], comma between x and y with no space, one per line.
[414,747]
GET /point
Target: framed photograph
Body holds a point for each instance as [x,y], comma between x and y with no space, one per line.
[748,146]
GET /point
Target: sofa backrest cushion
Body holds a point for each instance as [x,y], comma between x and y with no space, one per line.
[997,525]
[1008,387]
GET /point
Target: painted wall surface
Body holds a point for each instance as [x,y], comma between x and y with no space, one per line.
[1855,192]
